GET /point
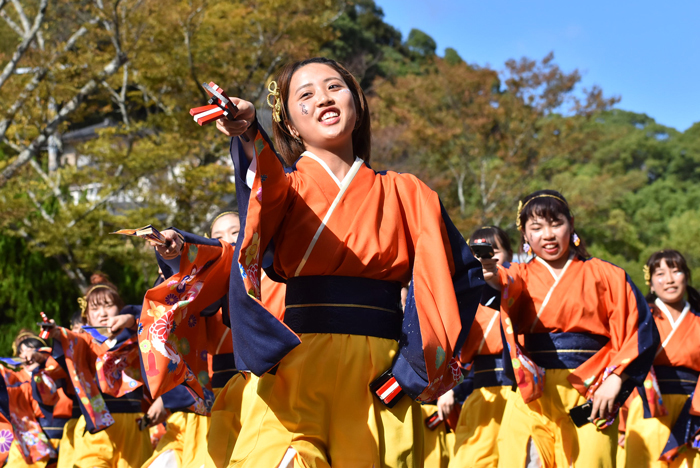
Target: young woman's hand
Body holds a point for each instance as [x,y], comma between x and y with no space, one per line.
[234,128]
[116,324]
[445,404]
[604,397]
[171,249]
[157,413]
[489,268]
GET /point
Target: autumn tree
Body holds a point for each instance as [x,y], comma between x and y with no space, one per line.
[485,136]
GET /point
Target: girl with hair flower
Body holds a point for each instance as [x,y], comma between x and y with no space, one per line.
[577,329]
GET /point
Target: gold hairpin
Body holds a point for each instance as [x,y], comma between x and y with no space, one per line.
[276,106]
[647,275]
[521,207]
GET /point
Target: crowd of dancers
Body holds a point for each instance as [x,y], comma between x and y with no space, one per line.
[336,317]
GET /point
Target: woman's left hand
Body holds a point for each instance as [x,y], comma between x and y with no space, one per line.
[119,322]
[604,397]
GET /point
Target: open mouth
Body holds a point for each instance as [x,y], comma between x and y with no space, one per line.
[550,248]
[329,116]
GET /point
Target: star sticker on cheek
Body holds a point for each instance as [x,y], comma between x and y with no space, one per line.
[304,109]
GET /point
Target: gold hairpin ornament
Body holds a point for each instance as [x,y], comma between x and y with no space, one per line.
[82,301]
[276,105]
[647,275]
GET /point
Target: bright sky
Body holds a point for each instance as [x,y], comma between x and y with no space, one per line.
[646,52]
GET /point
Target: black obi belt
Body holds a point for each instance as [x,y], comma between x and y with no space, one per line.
[223,368]
[489,371]
[676,380]
[344,305]
[565,350]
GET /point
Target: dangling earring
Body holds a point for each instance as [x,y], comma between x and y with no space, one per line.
[526,247]
[576,239]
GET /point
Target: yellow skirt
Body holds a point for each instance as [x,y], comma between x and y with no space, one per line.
[646,438]
[546,422]
[184,444]
[318,410]
[476,434]
[231,407]
[121,445]
[66,446]
[437,443]
[16,460]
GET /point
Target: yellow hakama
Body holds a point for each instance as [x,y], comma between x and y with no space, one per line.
[318,425]
[646,438]
[476,433]
[121,445]
[437,443]
[546,422]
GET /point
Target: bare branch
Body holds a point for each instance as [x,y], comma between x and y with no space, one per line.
[110,69]
[22,16]
[22,48]
[54,188]
[41,209]
[2,4]
[14,26]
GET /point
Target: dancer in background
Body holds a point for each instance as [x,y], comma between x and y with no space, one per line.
[30,446]
[476,434]
[105,375]
[585,329]
[346,239]
[663,418]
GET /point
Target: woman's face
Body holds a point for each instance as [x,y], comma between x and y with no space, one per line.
[321,107]
[668,283]
[549,239]
[226,228]
[99,312]
[499,253]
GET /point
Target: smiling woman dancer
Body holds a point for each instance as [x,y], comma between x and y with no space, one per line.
[658,426]
[585,328]
[346,238]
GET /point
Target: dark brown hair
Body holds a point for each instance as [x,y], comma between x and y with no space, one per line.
[287,145]
[673,259]
[104,293]
[490,234]
[550,205]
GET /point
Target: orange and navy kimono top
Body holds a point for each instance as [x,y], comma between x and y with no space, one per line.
[106,374]
[184,337]
[19,415]
[482,353]
[52,390]
[345,248]
[361,239]
[590,318]
[676,370]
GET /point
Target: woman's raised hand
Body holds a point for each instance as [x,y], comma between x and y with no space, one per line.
[172,247]
[246,115]
[489,267]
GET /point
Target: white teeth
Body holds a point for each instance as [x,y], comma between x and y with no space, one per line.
[329,115]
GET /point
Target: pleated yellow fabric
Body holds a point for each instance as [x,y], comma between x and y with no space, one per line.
[646,438]
[476,434]
[66,446]
[185,439]
[232,404]
[437,443]
[121,445]
[546,421]
[319,404]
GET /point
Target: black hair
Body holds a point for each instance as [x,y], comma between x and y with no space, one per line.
[673,259]
[490,234]
[550,205]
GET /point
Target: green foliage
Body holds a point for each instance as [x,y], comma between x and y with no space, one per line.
[420,43]
[30,283]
